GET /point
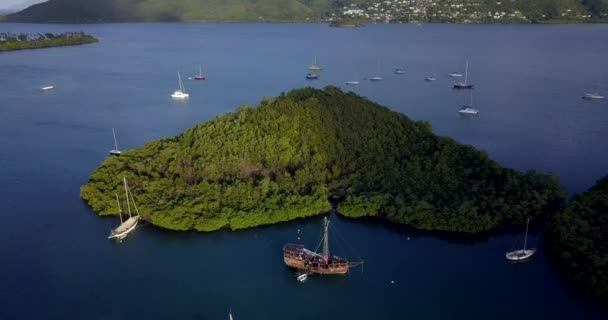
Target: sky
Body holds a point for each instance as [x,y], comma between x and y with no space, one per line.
[17,4]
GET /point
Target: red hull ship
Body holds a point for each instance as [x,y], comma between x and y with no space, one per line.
[298,257]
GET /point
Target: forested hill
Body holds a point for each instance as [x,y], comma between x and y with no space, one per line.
[578,239]
[293,155]
[474,11]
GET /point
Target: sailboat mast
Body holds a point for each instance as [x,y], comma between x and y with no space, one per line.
[119,208]
[127,195]
[325,239]
[200,70]
[526,237]
[466,73]
[115,142]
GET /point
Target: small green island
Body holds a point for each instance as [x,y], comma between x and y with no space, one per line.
[577,238]
[308,151]
[10,42]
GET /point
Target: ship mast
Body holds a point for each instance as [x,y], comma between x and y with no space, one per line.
[119,209]
[325,239]
[127,195]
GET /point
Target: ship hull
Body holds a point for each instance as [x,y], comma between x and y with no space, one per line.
[298,257]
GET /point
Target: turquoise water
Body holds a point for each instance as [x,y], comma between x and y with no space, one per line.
[57,262]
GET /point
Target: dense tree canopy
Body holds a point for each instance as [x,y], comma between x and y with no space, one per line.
[578,238]
[295,155]
[9,42]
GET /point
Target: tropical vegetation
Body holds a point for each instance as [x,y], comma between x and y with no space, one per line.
[309,150]
[577,238]
[21,41]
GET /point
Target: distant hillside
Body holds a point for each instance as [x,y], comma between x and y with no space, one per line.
[458,11]
[174,10]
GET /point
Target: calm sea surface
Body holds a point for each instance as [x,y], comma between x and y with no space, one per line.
[56,262]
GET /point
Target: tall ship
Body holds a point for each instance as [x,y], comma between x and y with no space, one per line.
[299,257]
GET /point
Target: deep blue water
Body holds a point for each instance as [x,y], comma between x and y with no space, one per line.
[57,263]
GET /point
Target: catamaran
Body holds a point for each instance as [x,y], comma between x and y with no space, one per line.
[377,77]
[200,75]
[522,254]
[115,151]
[127,226]
[469,110]
[180,92]
[464,84]
[298,257]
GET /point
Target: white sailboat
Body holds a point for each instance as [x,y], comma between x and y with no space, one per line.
[377,77]
[469,110]
[593,96]
[521,254]
[230,315]
[125,227]
[115,151]
[314,66]
[180,92]
[464,84]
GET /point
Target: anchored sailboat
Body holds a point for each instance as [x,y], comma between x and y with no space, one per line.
[469,110]
[298,257]
[465,84]
[180,92]
[522,254]
[127,226]
[200,75]
[115,151]
[314,66]
[377,77]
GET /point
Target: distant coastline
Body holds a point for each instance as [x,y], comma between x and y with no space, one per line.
[12,42]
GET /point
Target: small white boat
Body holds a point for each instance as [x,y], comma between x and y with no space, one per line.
[430,78]
[48,88]
[302,277]
[399,71]
[593,96]
[115,151]
[180,92]
[521,254]
[125,227]
[455,75]
[469,110]
[377,77]
[352,83]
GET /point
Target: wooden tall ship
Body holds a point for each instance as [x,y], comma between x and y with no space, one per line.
[298,257]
